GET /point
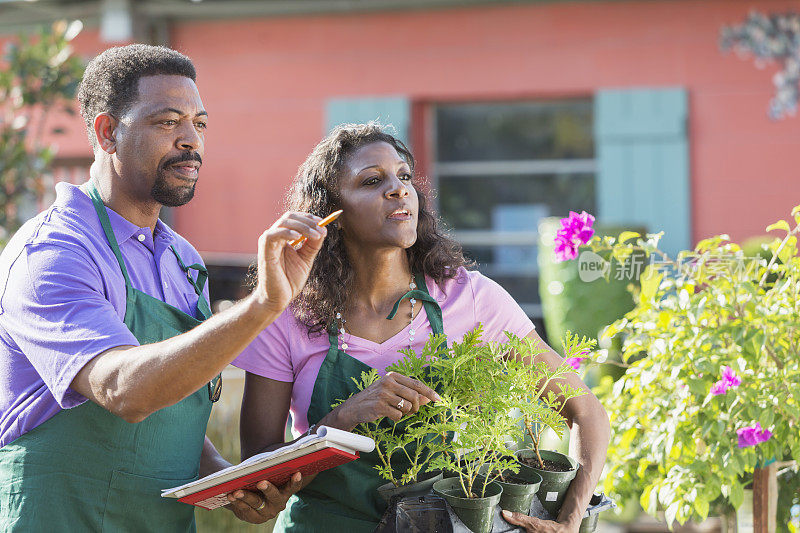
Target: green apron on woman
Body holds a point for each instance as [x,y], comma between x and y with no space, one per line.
[86,469]
[345,499]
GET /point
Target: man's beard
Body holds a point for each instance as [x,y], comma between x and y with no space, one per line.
[170,197]
[178,196]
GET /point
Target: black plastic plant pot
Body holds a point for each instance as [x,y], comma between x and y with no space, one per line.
[420,488]
[554,484]
[597,504]
[519,490]
[476,513]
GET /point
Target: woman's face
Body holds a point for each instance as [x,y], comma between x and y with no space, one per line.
[379,201]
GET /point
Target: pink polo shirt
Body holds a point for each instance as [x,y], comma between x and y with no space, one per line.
[284,351]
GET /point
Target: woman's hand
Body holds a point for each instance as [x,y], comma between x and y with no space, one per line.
[394,395]
[536,525]
[250,506]
[282,270]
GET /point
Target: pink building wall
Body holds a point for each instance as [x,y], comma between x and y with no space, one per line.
[265,83]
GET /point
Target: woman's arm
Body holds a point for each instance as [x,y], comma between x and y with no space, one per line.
[590,432]
[265,408]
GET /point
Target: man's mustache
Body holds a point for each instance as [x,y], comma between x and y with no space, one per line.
[185,156]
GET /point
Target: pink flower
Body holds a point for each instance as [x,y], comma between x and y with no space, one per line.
[720,387]
[752,435]
[730,377]
[729,381]
[574,362]
[565,249]
[576,229]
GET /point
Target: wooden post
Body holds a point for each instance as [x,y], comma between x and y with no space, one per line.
[765,499]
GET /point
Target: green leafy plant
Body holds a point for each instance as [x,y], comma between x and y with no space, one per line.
[411,437]
[474,380]
[38,76]
[481,385]
[541,409]
[711,388]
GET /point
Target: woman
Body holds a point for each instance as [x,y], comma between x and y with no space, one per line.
[384,244]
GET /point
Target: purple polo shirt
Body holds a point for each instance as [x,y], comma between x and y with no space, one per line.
[62,301]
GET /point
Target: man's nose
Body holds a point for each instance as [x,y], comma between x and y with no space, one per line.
[189,138]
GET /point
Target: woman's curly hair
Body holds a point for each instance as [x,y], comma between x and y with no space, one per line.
[316,190]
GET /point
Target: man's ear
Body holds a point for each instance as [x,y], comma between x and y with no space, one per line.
[105,131]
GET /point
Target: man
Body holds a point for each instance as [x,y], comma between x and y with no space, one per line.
[109,359]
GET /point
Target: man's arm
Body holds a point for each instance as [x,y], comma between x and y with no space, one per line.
[135,381]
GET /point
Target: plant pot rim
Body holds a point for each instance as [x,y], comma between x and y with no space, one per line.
[493,491]
[422,478]
[519,474]
[549,454]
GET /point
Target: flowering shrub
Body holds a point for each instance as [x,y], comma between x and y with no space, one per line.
[575,230]
[711,388]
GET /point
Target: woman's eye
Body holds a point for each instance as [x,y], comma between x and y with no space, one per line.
[371,181]
[406,177]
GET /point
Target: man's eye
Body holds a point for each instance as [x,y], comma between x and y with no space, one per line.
[169,122]
[201,125]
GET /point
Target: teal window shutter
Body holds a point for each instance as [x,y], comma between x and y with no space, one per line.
[643,162]
[392,111]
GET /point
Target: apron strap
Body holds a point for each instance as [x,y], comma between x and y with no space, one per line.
[432,308]
[202,277]
[102,214]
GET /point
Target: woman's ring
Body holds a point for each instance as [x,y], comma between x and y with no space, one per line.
[400,404]
[263,503]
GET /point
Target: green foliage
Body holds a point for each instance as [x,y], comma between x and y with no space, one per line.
[38,75]
[674,444]
[410,438]
[481,385]
[540,404]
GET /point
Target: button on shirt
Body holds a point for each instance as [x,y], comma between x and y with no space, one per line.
[62,301]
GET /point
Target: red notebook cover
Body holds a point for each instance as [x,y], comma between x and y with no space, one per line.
[278,475]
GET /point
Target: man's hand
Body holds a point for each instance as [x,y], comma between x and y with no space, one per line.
[282,270]
[537,525]
[256,508]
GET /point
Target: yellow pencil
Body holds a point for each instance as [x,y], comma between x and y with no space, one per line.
[324,222]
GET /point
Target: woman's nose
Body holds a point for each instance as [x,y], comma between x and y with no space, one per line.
[397,188]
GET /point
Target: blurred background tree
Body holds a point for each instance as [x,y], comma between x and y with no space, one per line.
[38,78]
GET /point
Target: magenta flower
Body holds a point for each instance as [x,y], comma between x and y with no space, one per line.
[576,229]
[574,362]
[729,381]
[752,435]
[730,377]
[719,388]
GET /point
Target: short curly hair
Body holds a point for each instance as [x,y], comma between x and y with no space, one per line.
[111,80]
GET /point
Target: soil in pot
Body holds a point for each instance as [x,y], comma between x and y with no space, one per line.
[420,488]
[518,490]
[476,513]
[554,482]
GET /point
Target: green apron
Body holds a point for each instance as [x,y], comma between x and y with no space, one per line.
[86,469]
[345,499]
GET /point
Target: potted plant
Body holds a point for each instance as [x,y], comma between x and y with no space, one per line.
[473,378]
[411,438]
[541,409]
[711,390]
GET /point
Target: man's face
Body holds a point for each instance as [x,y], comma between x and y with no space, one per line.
[160,138]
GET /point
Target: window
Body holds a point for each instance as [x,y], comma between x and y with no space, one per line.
[499,168]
